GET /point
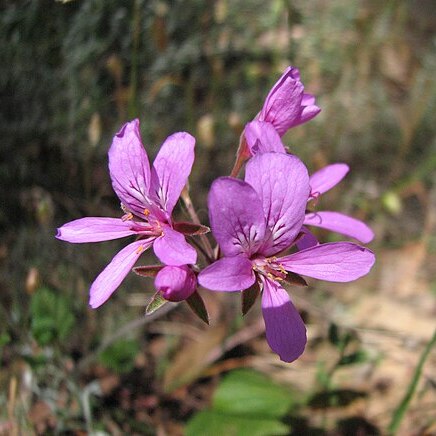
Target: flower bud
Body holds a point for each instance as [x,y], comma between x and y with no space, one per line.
[176,283]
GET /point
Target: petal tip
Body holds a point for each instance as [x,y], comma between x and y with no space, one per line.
[134,124]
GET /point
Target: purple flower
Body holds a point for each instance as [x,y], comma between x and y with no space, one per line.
[253,221]
[287,105]
[262,137]
[148,196]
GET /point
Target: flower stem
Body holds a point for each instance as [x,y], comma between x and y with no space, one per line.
[208,251]
[241,156]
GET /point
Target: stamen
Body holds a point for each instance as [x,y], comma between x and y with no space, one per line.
[146,212]
[127,217]
[140,249]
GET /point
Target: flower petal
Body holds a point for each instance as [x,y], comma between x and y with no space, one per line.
[172,249]
[285,330]
[307,240]
[286,105]
[171,169]
[94,229]
[309,109]
[130,169]
[175,283]
[324,179]
[335,262]
[236,216]
[228,274]
[112,276]
[282,182]
[340,223]
[262,137]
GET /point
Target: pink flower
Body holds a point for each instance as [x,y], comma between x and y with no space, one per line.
[262,137]
[287,105]
[148,196]
[176,283]
[255,220]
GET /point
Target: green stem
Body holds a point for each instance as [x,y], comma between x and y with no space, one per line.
[403,406]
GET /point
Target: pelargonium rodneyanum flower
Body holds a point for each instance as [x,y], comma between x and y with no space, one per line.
[261,137]
[148,196]
[256,219]
[287,105]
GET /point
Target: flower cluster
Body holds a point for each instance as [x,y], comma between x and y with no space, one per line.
[259,223]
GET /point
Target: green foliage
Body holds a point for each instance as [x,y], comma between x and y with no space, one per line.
[359,356]
[213,423]
[245,403]
[51,317]
[120,356]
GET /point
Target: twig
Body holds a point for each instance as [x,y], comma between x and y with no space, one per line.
[124,330]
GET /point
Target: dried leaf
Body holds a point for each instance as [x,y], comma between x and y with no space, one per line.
[190,362]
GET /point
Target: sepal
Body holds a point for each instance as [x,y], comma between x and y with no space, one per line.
[248,297]
[156,302]
[197,305]
[147,270]
[294,279]
[190,229]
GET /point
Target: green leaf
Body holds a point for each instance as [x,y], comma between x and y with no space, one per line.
[120,356]
[51,317]
[213,423]
[197,305]
[5,338]
[248,393]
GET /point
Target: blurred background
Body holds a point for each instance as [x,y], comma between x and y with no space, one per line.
[72,73]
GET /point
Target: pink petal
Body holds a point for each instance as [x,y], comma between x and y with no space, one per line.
[324,179]
[285,330]
[172,249]
[286,105]
[262,137]
[282,183]
[308,100]
[344,224]
[228,274]
[236,216]
[129,169]
[175,283]
[310,109]
[94,229]
[307,240]
[112,276]
[171,169]
[335,262]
